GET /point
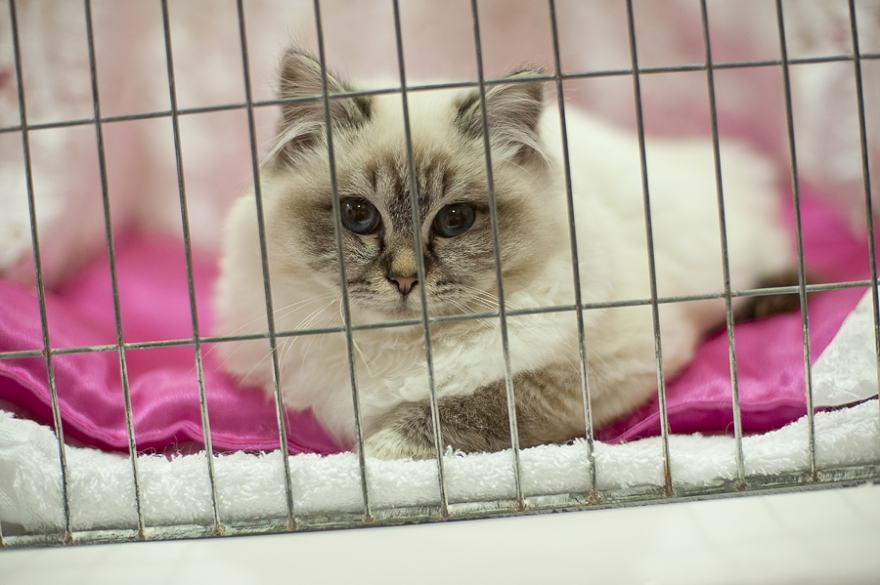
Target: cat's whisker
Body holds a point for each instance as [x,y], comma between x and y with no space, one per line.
[286,343]
[309,347]
[284,347]
[238,346]
[487,300]
[309,319]
[311,342]
[306,323]
[463,308]
[480,293]
[354,343]
[480,305]
[367,361]
[287,309]
[244,378]
[484,322]
[290,308]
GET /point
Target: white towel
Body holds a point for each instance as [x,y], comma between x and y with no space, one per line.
[251,487]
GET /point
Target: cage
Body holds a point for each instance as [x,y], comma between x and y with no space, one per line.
[197,477]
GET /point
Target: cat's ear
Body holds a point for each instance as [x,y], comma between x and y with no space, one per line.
[303,124]
[513,111]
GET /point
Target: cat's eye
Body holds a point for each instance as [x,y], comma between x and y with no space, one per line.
[359,215]
[453,220]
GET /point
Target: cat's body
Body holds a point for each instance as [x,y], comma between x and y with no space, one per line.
[447,144]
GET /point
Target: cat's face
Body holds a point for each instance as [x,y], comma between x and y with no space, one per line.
[374,183]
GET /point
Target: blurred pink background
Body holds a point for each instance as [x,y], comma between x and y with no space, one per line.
[360,44]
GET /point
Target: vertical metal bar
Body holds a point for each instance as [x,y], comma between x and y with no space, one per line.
[218,528]
[346,308]
[38,269]
[725,258]
[264,259]
[575,263]
[502,310]
[795,188]
[866,176]
[114,283]
[649,235]
[420,264]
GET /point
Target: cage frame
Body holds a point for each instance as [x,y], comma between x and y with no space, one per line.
[520,504]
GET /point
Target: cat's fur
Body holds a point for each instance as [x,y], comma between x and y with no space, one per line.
[447,146]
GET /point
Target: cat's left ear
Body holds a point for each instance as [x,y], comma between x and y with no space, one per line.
[513,111]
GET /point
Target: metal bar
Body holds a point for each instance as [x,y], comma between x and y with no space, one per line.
[794,289]
[649,238]
[502,310]
[575,261]
[46,352]
[346,307]
[725,257]
[114,282]
[264,260]
[787,482]
[866,177]
[434,86]
[420,265]
[217,527]
[795,188]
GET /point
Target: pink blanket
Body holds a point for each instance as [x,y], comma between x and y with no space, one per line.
[164,385]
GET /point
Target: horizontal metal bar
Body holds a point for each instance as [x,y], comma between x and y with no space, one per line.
[565,502]
[438,86]
[811,288]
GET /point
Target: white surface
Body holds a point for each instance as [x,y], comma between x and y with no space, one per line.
[822,537]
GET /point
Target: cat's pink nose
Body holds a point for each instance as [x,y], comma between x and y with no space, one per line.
[404,283]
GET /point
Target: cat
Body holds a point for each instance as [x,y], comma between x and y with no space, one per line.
[529,181]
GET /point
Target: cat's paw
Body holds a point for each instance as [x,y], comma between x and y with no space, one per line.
[389,443]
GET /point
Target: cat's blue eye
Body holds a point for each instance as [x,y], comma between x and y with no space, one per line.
[453,220]
[359,215]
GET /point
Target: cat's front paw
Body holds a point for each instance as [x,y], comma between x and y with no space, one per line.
[390,443]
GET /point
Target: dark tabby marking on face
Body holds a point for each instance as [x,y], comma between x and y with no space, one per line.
[377,263]
[480,421]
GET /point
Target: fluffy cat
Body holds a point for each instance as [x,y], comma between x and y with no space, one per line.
[373,180]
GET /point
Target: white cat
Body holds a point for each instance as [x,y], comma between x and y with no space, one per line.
[373,183]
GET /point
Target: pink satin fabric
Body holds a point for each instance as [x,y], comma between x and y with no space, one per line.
[163,381]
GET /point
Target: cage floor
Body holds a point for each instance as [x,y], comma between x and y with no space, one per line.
[827,536]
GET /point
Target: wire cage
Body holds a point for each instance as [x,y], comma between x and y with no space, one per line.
[372,512]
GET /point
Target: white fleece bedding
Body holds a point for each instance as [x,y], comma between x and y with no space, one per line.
[251,487]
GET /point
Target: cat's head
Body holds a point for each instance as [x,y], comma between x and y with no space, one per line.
[374,179]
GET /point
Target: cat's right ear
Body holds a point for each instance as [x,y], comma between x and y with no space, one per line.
[513,111]
[303,124]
